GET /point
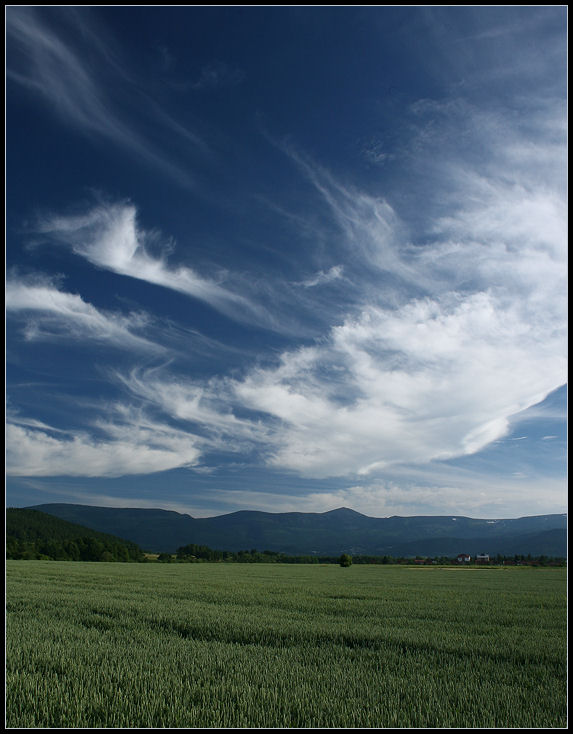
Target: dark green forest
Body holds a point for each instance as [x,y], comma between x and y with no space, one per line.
[31,534]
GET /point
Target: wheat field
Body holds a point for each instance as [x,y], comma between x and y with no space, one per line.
[283,646]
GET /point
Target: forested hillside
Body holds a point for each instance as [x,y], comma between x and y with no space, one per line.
[31,534]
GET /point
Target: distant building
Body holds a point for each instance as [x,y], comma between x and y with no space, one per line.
[464,558]
[482,558]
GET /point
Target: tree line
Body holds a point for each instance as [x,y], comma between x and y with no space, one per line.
[193,553]
[77,549]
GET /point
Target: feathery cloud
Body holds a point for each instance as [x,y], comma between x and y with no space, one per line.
[109,237]
[45,60]
[131,444]
[51,313]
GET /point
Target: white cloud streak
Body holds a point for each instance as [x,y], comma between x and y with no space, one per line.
[109,237]
[54,314]
[322,277]
[43,61]
[205,406]
[130,445]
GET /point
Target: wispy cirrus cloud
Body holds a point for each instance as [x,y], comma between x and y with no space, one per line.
[130,444]
[51,313]
[205,406]
[45,60]
[322,277]
[109,237]
[364,231]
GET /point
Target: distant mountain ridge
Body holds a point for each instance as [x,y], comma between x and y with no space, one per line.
[337,531]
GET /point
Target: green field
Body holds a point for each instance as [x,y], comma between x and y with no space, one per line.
[261,645]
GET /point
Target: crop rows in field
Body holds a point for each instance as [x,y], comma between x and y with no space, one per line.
[210,645]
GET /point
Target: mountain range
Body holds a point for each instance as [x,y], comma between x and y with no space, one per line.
[327,533]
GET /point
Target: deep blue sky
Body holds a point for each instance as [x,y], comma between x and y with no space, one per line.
[287,258]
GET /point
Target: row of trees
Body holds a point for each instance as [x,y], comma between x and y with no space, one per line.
[76,549]
[200,553]
[193,553]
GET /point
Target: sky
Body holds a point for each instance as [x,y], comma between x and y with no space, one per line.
[287,258]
